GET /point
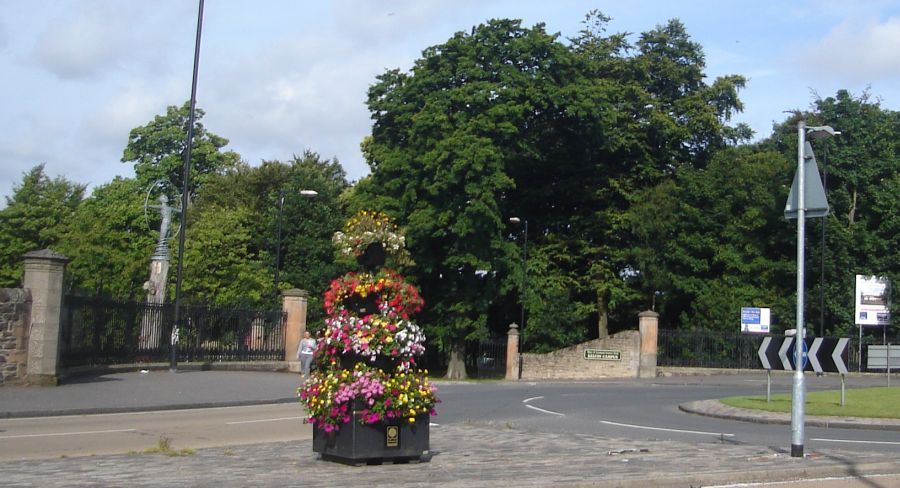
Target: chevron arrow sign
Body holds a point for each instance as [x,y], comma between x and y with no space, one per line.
[824,354]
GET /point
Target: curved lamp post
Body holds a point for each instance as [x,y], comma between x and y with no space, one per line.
[303,193]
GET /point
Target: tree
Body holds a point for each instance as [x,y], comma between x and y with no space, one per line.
[307,258]
[862,165]
[34,218]
[508,121]
[714,239]
[218,267]
[109,241]
[157,150]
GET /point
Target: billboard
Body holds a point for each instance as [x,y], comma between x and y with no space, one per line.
[755,320]
[873,307]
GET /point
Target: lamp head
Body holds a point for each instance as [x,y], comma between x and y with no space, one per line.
[821,132]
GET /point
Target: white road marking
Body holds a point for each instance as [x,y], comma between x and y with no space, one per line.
[532,398]
[546,411]
[57,434]
[717,434]
[849,441]
[263,420]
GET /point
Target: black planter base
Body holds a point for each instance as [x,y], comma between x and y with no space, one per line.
[358,444]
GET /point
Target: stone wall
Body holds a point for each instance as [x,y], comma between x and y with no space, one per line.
[15,314]
[571,363]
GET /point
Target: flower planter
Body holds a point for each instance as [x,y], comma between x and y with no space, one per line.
[359,444]
[348,361]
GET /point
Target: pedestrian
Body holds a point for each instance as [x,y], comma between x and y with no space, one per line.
[305,353]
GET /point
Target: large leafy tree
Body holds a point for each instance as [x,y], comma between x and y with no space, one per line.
[219,268]
[509,121]
[157,150]
[306,257]
[109,241]
[862,167]
[713,239]
[35,218]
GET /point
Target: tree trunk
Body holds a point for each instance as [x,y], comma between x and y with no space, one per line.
[456,368]
[603,320]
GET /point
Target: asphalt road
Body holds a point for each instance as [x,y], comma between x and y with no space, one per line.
[638,410]
[118,433]
[645,410]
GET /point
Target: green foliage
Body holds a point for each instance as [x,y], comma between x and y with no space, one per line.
[713,240]
[35,218]
[509,121]
[109,242]
[860,167]
[157,150]
[218,266]
[307,260]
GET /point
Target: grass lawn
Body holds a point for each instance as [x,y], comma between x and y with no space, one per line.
[863,402]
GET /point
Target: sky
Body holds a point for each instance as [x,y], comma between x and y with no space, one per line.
[279,77]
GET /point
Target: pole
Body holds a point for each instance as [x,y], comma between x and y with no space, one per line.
[173,358]
[822,264]
[799,388]
[843,389]
[524,279]
[278,244]
[859,350]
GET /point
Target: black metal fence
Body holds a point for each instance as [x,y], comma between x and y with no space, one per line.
[703,349]
[486,359]
[97,331]
[700,349]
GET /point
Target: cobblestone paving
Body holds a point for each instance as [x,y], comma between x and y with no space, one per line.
[462,455]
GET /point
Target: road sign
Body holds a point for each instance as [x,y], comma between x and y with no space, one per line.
[814,191]
[820,354]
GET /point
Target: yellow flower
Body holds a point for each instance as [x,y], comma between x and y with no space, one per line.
[412,420]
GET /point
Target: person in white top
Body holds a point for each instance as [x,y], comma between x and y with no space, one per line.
[305,353]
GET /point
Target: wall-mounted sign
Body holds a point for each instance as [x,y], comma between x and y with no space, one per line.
[602,354]
[873,295]
[756,320]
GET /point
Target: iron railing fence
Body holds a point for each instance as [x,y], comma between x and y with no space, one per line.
[486,358]
[702,349]
[98,331]
[709,349]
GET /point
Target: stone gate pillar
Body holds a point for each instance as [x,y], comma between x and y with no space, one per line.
[648,324]
[44,272]
[294,306]
[512,352]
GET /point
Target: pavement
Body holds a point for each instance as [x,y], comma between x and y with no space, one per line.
[462,455]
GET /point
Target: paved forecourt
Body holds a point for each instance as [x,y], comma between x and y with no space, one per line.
[466,455]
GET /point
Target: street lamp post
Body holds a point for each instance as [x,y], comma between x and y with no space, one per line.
[186,172]
[798,394]
[303,193]
[524,287]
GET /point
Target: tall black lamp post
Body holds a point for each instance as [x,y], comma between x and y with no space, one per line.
[303,193]
[186,170]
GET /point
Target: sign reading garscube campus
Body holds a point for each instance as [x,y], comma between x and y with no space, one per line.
[603,354]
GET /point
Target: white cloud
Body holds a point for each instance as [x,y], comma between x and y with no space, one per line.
[93,38]
[856,51]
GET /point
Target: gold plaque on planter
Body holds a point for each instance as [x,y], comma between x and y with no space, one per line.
[392,436]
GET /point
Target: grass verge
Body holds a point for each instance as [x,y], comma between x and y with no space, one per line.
[861,402]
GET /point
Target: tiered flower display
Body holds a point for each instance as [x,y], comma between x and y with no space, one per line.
[367,357]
